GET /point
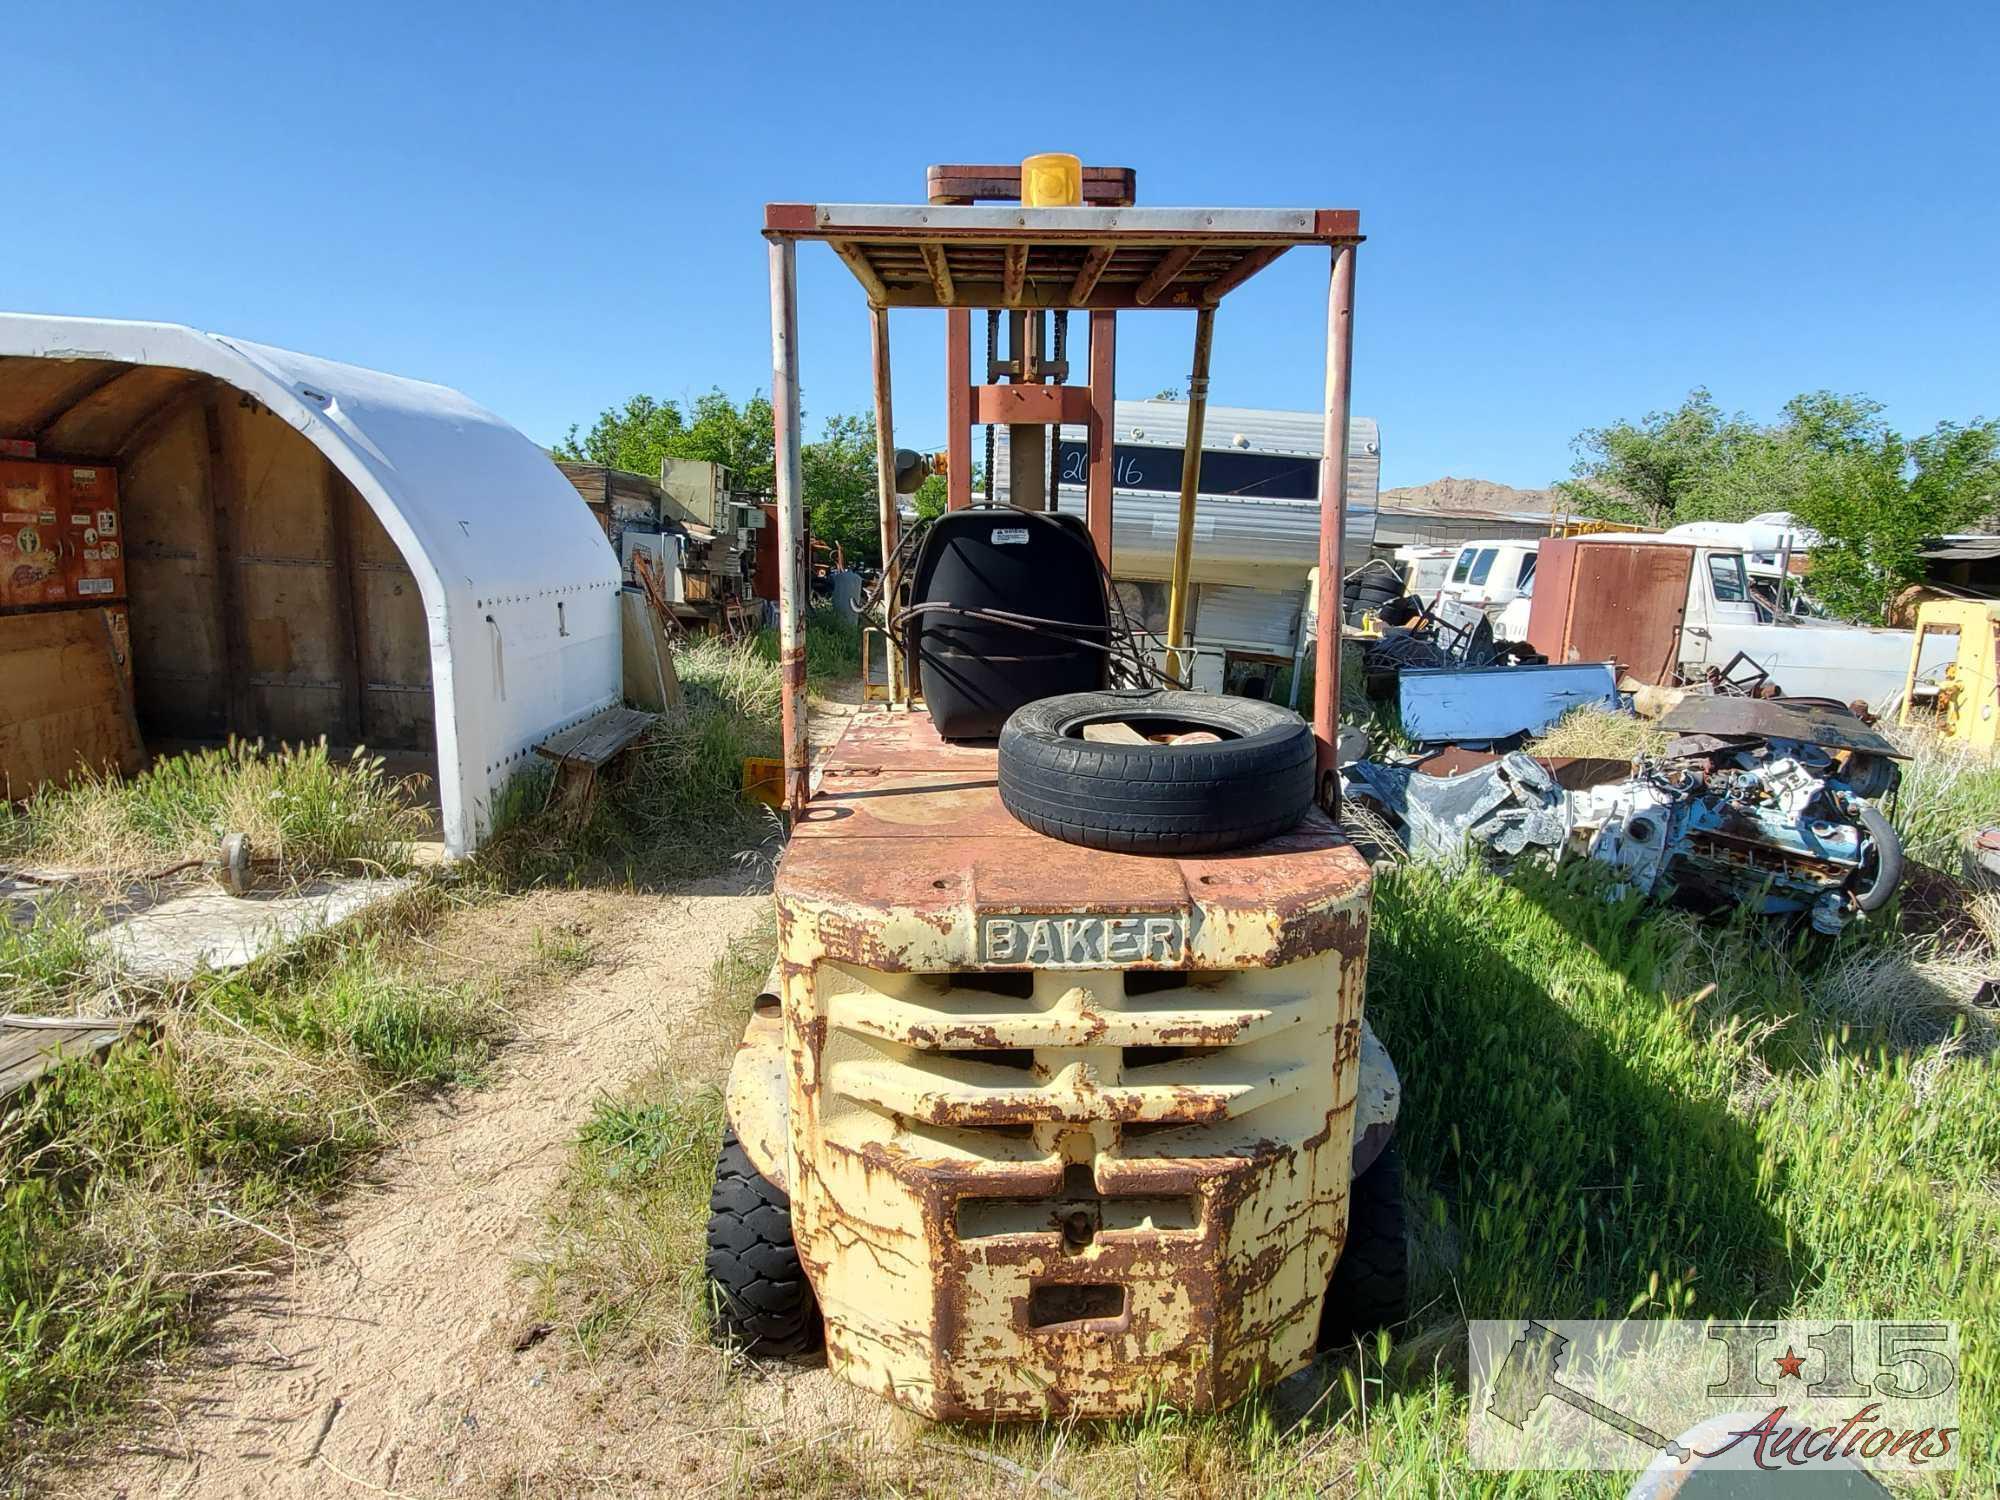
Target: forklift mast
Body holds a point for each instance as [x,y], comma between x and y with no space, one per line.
[1028,245]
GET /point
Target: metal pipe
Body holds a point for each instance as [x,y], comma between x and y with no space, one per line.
[958,406]
[1333,522]
[792,576]
[1100,437]
[885,480]
[1178,658]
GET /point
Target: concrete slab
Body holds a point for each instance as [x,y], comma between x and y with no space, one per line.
[213,928]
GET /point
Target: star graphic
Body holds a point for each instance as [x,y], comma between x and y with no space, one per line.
[1790,1363]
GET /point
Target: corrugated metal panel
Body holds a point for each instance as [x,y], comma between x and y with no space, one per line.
[1398,528]
[1229,529]
[1250,619]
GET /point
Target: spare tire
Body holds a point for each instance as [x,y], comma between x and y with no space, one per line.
[1154,797]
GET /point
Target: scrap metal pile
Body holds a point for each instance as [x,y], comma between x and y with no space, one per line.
[1761,802]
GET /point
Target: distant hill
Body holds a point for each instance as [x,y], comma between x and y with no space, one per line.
[1467,494]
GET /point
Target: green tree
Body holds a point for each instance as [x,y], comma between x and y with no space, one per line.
[1877,498]
[1679,465]
[838,475]
[838,470]
[634,437]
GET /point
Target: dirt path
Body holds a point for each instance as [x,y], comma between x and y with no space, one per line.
[386,1361]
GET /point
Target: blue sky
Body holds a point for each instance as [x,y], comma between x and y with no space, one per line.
[1575,212]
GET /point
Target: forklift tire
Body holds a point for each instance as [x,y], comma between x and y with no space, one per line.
[1142,798]
[1371,1284]
[763,1303]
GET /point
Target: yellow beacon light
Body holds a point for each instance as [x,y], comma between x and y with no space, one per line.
[1051,179]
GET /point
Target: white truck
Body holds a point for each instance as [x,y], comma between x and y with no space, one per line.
[1486,576]
[1667,609]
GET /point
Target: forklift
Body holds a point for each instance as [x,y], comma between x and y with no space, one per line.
[1060,1100]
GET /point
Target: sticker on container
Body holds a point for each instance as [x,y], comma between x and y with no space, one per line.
[47,518]
[6,541]
[93,585]
[17,518]
[84,478]
[79,518]
[28,539]
[1010,536]
[89,531]
[107,523]
[91,554]
[110,551]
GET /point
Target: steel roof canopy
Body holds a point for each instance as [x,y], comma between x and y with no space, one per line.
[952,255]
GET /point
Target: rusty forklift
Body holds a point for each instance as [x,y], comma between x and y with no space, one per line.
[1060,1100]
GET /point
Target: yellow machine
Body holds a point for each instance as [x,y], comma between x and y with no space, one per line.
[1969,696]
[1023,1126]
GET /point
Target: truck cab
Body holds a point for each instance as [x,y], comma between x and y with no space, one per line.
[1667,610]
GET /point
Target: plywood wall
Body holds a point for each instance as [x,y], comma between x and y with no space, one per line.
[266,599]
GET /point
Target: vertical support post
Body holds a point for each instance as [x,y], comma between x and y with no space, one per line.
[1102,436]
[346,629]
[958,406]
[1181,663]
[885,484]
[240,704]
[1333,522]
[791,519]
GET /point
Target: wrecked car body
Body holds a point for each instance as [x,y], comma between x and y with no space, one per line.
[1767,803]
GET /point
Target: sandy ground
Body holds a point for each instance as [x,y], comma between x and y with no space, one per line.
[385,1363]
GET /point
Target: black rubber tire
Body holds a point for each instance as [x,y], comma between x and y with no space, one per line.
[1157,799]
[764,1304]
[1888,859]
[1370,1288]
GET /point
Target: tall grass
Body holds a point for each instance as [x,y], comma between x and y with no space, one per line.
[673,807]
[1946,793]
[298,804]
[135,1189]
[1592,730]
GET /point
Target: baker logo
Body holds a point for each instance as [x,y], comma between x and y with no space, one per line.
[1071,941]
[1778,1396]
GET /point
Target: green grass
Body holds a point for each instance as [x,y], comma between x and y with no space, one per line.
[1609,1109]
[1603,732]
[1946,793]
[672,810]
[300,805]
[133,1190]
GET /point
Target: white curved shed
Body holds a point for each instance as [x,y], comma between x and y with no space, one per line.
[315,548]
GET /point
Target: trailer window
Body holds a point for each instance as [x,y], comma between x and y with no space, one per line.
[1463,566]
[1527,575]
[1482,566]
[1725,577]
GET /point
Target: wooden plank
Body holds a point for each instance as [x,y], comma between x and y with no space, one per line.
[346,624]
[67,707]
[650,680]
[596,739]
[222,493]
[31,1046]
